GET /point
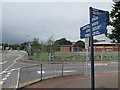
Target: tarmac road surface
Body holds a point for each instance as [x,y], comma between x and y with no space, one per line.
[8,72]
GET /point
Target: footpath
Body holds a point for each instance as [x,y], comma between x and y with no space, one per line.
[103,81]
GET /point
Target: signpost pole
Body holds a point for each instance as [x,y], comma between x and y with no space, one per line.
[87,56]
[98,23]
[91,52]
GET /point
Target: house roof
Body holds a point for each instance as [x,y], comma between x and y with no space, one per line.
[103,42]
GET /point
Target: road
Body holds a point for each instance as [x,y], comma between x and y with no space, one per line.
[8,64]
[11,75]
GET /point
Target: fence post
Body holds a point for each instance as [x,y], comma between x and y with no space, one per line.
[62,68]
[101,57]
[41,72]
[18,79]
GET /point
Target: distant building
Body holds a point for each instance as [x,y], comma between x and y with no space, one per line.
[65,48]
[106,47]
[70,48]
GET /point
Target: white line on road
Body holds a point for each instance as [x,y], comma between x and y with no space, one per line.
[3,62]
[4,79]
[9,66]
[67,71]
[1,82]
[7,69]
[7,75]
[2,72]
[15,69]
[9,72]
[39,72]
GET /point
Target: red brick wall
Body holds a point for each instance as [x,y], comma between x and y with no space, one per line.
[65,49]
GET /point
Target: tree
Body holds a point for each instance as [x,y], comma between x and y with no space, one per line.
[115,16]
[62,41]
[80,44]
[35,46]
[15,46]
[35,42]
[50,41]
[23,46]
[50,44]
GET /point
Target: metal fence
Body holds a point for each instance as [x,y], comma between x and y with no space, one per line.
[36,73]
[21,77]
[80,56]
[74,56]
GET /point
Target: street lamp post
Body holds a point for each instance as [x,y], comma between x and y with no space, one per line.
[28,46]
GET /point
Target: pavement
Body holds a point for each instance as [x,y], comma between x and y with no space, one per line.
[102,80]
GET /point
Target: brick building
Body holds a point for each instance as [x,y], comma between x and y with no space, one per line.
[70,48]
[106,47]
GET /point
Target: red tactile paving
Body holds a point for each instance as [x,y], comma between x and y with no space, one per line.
[102,80]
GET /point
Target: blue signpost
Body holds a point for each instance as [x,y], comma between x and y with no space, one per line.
[96,30]
[98,24]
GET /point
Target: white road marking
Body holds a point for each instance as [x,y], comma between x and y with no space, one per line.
[4,79]
[15,69]
[39,72]
[7,75]
[9,72]
[3,62]
[7,69]
[9,66]
[1,82]
[3,72]
[67,71]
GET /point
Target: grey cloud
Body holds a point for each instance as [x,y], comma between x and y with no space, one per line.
[45,19]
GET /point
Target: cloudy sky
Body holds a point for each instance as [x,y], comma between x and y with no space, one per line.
[21,21]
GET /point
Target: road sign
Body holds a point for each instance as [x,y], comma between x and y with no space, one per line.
[100,14]
[99,21]
[103,15]
[96,13]
[96,30]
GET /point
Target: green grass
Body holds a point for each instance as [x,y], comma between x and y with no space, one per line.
[40,57]
[75,56]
